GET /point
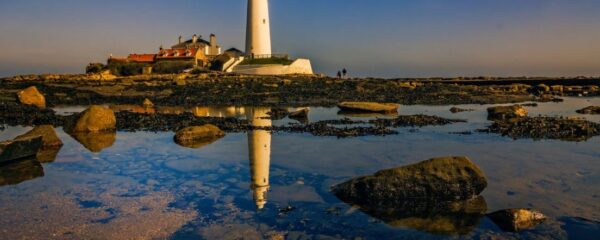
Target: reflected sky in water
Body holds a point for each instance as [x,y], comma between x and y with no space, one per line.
[260,184]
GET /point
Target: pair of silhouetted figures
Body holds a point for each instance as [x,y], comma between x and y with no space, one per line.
[342,74]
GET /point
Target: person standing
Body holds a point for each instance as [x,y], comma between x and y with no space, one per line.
[345,73]
[339,75]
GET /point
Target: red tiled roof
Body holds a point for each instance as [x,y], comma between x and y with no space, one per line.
[177,53]
[141,57]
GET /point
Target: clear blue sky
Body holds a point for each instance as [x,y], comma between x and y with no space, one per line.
[384,38]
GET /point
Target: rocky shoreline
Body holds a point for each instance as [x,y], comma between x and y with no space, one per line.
[217,89]
[13,114]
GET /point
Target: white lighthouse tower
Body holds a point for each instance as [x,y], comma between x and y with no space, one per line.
[258,30]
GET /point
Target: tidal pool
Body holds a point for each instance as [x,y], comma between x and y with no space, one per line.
[263,185]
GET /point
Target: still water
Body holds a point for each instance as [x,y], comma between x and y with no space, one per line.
[257,185]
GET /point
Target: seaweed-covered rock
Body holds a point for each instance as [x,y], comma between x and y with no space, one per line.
[96,119]
[20,149]
[31,96]
[506,112]
[514,220]
[590,110]
[446,178]
[458,110]
[198,136]
[566,129]
[368,107]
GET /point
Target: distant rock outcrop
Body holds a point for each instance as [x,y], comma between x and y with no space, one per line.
[506,112]
[31,96]
[368,107]
[590,110]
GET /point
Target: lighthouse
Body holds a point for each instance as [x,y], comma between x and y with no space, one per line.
[258,29]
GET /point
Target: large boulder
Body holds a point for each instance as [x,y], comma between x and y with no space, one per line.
[514,220]
[51,143]
[95,119]
[198,136]
[590,110]
[446,178]
[31,96]
[19,149]
[506,112]
[368,107]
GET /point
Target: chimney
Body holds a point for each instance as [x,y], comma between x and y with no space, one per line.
[195,38]
[213,40]
[180,39]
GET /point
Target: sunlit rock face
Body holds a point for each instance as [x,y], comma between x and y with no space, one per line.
[31,96]
[51,143]
[198,136]
[506,112]
[514,220]
[368,107]
[95,119]
[95,141]
[21,171]
[438,217]
[447,178]
[259,148]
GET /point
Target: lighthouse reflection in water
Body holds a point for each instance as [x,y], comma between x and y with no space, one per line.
[259,145]
[259,149]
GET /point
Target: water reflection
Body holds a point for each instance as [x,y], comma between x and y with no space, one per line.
[95,141]
[20,171]
[259,148]
[429,215]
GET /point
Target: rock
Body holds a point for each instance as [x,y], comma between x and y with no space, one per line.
[446,178]
[590,110]
[542,88]
[19,149]
[196,137]
[95,141]
[368,107]
[300,115]
[31,96]
[95,119]
[51,144]
[506,112]
[458,110]
[147,103]
[17,172]
[48,134]
[514,220]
